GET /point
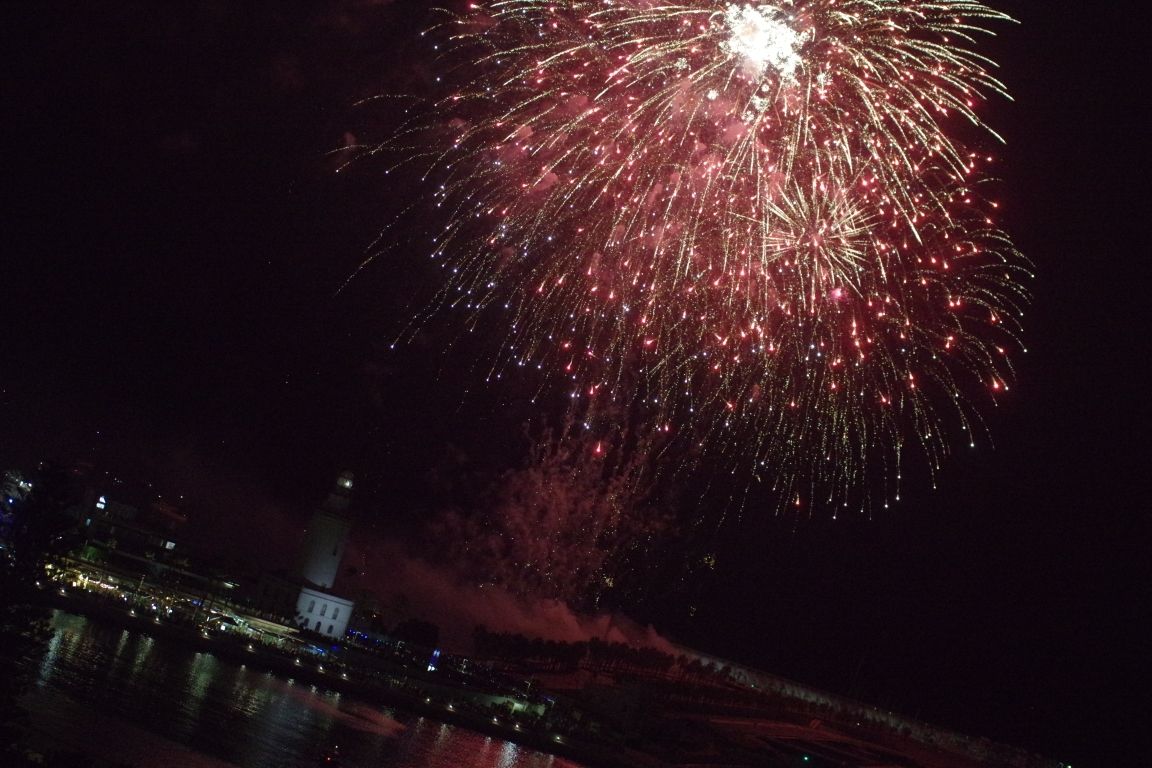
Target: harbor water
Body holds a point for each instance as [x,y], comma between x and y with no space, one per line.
[127,696]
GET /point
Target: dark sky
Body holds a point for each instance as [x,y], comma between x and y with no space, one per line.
[174,235]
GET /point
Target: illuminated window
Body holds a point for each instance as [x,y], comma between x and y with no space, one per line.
[101,503]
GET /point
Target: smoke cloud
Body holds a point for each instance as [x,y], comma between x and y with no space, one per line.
[412,588]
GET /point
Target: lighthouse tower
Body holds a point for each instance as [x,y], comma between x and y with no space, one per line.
[317,608]
[327,536]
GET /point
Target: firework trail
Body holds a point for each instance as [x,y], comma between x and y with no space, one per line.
[762,222]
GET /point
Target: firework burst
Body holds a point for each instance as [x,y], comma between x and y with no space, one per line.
[763,222]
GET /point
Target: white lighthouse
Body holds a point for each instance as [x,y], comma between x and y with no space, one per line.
[327,536]
[320,556]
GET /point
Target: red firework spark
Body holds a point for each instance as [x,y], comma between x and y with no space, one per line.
[759,221]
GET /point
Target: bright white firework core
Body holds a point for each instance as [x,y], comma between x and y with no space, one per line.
[762,40]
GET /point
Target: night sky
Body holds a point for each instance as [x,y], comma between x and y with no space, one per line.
[172,251]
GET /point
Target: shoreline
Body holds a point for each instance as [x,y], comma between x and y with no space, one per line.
[414,701]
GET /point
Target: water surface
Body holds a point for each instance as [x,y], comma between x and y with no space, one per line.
[150,702]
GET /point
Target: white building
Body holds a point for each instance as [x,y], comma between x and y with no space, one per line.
[305,596]
[323,612]
[325,540]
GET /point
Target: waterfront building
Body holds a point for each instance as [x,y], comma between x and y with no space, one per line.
[125,524]
[307,597]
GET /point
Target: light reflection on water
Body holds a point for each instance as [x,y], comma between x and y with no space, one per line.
[155,703]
